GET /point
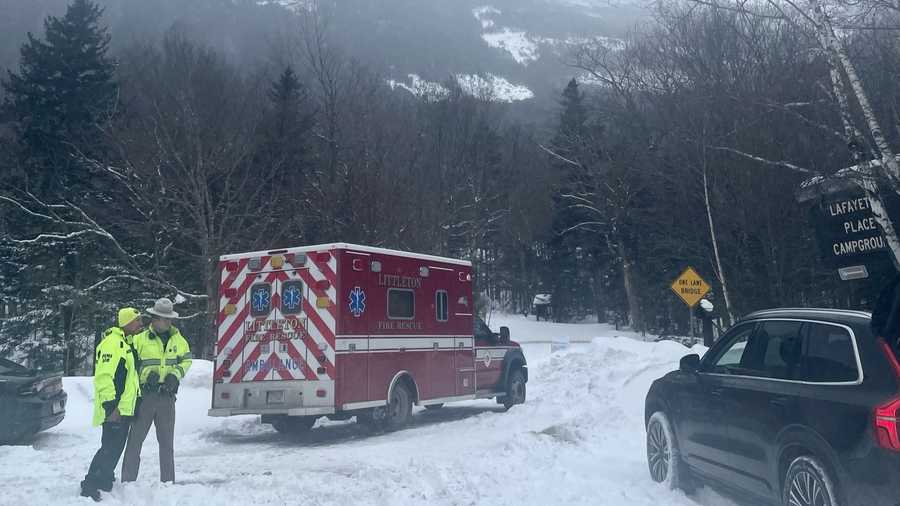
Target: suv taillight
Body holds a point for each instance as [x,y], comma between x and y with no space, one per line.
[887,415]
[886,425]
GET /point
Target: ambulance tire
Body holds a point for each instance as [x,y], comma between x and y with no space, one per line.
[393,416]
[294,425]
[515,389]
[399,409]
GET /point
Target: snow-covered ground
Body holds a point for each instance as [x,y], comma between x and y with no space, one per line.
[579,439]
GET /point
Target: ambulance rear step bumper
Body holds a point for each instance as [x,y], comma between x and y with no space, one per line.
[218,412]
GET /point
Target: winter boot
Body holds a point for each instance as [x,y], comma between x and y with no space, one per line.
[93,493]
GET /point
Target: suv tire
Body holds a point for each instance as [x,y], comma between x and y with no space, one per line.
[808,483]
[663,455]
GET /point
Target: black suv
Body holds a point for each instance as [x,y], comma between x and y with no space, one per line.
[791,406]
[30,402]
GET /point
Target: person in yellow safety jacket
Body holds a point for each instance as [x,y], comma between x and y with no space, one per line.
[116,391]
[165,358]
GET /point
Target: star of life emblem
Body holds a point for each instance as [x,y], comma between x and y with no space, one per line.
[357,301]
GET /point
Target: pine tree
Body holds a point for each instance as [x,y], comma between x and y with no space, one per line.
[62,92]
[288,123]
[63,88]
[574,113]
[571,281]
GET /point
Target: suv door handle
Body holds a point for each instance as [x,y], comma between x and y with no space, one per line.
[717,392]
[781,402]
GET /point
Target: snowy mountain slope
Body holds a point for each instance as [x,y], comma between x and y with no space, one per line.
[578,440]
[489,86]
[523,43]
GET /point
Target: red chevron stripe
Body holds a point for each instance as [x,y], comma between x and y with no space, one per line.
[320,324]
[284,373]
[242,315]
[264,371]
[309,342]
[238,348]
[242,263]
[275,363]
[295,354]
[313,347]
[235,325]
[239,294]
[311,283]
[233,328]
[237,378]
[326,269]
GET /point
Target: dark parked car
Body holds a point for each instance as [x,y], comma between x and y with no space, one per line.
[29,402]
[791,406]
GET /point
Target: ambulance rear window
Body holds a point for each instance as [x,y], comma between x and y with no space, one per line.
[401,304]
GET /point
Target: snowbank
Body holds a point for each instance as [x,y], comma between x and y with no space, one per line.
[578,440]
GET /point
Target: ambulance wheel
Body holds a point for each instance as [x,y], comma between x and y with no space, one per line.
[393,416]
[515,389]
[294,425]
[434,407]
[399,409]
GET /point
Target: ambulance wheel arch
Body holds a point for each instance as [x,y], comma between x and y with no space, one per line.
[396,411]
[404,378]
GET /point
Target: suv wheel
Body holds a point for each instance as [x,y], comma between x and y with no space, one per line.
[807,483]
[663,455]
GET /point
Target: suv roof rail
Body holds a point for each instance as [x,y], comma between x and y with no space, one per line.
[836,312]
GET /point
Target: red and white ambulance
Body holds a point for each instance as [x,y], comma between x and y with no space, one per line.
[341,330]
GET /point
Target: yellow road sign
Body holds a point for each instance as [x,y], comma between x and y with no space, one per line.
[690,287]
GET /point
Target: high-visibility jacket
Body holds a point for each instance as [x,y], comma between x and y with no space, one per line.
[174,359]
[115,376]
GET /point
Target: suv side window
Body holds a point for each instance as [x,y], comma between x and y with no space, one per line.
[828,355]
[730,358]
[774,350]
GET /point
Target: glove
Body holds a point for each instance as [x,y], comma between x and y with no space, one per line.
[114,416]
[109,407]
[171,384]
[153,380]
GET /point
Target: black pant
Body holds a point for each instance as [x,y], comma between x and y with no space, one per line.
[102,472]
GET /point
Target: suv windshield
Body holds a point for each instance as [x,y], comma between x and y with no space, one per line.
[10,368]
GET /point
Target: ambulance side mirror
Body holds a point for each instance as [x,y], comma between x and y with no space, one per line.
[504,334]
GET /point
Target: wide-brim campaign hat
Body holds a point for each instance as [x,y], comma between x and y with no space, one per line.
[163,308]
